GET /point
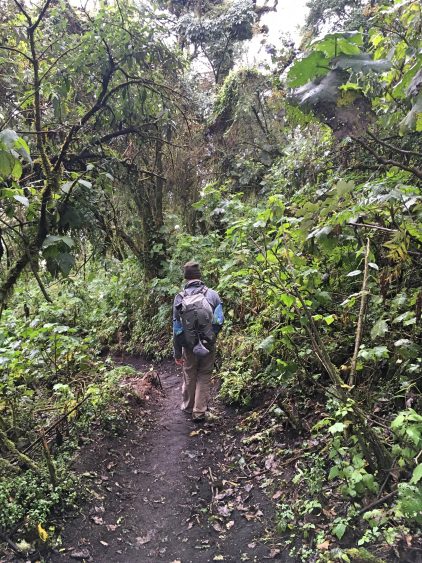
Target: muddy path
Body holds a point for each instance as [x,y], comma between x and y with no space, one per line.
[160,491]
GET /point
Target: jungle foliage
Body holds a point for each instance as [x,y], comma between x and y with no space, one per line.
[298,189]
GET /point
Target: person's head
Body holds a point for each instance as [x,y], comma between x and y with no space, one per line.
[192,271]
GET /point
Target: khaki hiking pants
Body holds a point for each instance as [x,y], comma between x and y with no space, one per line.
[196,382]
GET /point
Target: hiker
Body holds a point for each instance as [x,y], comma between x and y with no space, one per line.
[197,319]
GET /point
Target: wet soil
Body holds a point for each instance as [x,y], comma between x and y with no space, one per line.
[160,491]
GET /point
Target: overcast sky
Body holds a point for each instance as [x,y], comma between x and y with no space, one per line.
[289,19]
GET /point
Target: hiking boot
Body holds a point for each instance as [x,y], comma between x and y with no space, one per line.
[198,418]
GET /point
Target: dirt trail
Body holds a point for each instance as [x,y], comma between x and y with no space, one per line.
[152,493]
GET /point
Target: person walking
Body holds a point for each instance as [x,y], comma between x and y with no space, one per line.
[197,319]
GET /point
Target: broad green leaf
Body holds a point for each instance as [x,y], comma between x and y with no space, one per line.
[354,273]
[54,240]
[305,70]
[287,299]
[380,328]
[361,63]
[337,427]
[417,474]
[334,472]
[329,319]
[267,345]
[413,118]
[339,530]
[9,138]
[7,163]
[343,187]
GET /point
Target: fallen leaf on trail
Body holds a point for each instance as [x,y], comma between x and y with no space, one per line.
[23,546]
[80,554]
[142,540]
[408,538]
[219,558]
[323,546]
[97,520]
[277,495]
[42,533]
[270,463]
[252,545]
[273,553]
[253,515]
[89,474]
[230,524]
[112,527]
[104,543]
[99,509]
[195,433]
[217,527]
[224,511]
[111,465]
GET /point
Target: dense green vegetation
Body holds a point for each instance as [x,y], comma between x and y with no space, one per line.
[298,188]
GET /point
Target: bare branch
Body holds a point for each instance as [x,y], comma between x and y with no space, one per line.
[392,147]
[12,49]
[385,161]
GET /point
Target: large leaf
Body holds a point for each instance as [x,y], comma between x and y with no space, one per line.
[9,137]
[333,44]
[305,70]
[325,91]
[55,240]
[413,120]
[380,328]
[7,164]
[361,63]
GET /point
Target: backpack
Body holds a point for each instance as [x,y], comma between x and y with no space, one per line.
[196,315]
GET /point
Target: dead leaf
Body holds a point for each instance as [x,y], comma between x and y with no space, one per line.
[230,524]
[277,495]
[219,558]
[97,520]
[273,553]
[80,554]
[112,527]
[195,433]
[323,546]
[104,543]
[224,511]
[142,540]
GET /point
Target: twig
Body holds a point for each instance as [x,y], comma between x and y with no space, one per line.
[13,546]
[371,226]
[392,147]
[386,161]
[377,502]
[50,428]
[361,317]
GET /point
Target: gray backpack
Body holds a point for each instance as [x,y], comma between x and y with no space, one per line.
[196,315]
